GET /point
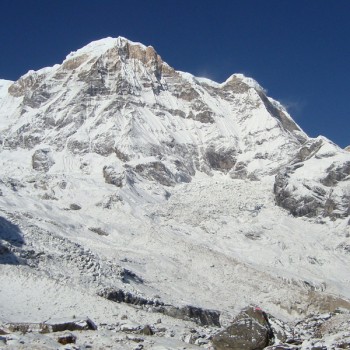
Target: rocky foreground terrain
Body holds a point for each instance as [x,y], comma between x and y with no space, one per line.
[145,208]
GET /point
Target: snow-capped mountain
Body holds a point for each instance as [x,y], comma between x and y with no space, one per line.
[124,179]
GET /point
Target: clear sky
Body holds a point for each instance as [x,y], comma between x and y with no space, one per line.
[299,50]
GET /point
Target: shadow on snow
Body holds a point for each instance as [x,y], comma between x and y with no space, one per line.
[10,237]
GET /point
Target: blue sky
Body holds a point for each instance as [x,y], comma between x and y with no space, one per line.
[299,50]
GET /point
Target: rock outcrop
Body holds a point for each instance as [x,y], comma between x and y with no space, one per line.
[115,176]
[75,324]
[315,183]
[250,330]
[42,160]
[201,316]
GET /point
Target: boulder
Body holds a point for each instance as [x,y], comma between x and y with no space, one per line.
[201,341]
[69,324]
[147,330]
[130,327]
[42,160]
[204,317]
[250,330]
[2,332]
[68,338]
[99,231]
[74,206]
[113,175]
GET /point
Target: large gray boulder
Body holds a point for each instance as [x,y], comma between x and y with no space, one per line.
[250,330]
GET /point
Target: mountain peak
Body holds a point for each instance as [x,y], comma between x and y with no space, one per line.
[244,79]
[101,46]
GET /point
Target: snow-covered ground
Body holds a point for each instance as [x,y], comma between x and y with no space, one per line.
[226,236]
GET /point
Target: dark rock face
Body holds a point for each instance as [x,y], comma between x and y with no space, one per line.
[321,196]
[223,160]
[147,330]
[298,206]
[25,83]
[11,240]
[74,206]
[121,296]
[153,171]
[336,174]
[112,177]
[99,231]
[236,85]
[250,330]
[308,150]
[201,316]
[203,117]
[78,146]
[187,93]
[121,155]
[104,144]
[42,160]
[156,171]
[316,200]
[128,276]
[286,122]
[239,171]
